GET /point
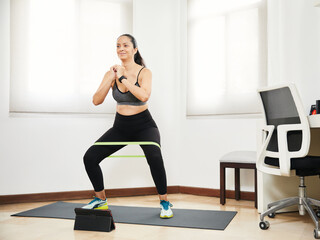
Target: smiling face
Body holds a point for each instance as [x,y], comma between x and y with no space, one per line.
[125,49]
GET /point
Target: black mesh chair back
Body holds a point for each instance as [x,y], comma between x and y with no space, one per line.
[280,109]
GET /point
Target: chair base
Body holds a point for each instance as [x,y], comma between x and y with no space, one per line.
[304,203]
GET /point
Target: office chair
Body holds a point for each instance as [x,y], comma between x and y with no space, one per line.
[284,152]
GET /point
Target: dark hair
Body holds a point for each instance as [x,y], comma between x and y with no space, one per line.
[137,57]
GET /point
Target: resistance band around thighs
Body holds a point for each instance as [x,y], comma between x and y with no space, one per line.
[127,143]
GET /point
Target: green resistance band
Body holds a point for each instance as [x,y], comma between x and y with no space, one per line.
[127,143]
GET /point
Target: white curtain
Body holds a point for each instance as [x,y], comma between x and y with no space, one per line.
[60,51]
[226,56]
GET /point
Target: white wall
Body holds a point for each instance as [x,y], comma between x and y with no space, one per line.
[206,141]
[43,153]
[294,46]
[293,56]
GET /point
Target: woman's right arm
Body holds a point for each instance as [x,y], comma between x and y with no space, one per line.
[104,88]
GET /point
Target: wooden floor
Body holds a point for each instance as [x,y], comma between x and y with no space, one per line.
[244,226]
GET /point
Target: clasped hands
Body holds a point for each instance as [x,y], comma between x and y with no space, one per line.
[117,71]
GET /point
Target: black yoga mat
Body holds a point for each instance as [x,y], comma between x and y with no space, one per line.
[204,219]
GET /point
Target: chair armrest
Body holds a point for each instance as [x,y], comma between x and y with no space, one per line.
[284,154]
[261,166]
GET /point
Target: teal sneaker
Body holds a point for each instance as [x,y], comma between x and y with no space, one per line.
[166,211]
[97,203]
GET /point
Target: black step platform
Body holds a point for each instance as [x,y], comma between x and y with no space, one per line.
[93,220]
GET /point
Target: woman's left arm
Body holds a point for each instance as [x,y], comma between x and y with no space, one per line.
[144,91]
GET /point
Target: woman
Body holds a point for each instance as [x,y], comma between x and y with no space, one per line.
[131,85]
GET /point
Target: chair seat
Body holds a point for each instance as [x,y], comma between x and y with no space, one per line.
[306,166]
[240,157]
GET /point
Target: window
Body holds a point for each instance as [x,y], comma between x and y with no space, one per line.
[226,56]
[60,51]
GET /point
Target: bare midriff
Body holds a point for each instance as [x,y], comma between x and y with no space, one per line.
[128,110]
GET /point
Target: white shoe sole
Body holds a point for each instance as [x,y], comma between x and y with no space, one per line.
[166,214]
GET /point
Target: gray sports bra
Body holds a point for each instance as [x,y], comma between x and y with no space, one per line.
[126,98]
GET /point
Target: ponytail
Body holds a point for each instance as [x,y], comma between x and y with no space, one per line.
[137,57]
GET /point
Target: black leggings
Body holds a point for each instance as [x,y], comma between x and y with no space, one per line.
[134,128]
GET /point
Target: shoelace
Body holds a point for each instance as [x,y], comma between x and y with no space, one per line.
[165,204]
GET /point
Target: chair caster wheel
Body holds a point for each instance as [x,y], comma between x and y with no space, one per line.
[271,215]
[264,225]
[318,213]
[316,234]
